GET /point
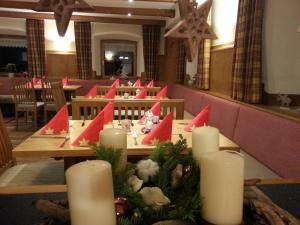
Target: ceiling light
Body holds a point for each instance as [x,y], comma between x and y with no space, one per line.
[128,14]
[130,0]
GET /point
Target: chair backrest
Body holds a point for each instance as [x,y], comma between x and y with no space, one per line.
[83,108]
[6,159]
[47,91]
[102,90]
[58,94]
[23,91]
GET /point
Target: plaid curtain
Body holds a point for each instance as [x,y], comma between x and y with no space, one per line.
[36,48]
[203,67]
[151,40]
[181,61]
[83,41]
[247,61]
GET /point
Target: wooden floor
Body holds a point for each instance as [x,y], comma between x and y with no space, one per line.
[45,171]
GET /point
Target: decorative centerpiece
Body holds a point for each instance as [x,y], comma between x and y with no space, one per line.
[163,189]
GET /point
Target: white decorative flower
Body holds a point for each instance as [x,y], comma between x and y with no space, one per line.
[146,169]
[154,197]
[135,183]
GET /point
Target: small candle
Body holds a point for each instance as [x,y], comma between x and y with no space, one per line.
[90,193]
[204,139]
[222,187]
[115,138]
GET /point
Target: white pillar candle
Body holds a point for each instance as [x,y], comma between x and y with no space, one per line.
[204,139]
[90,193]
[115,138]
[222,187]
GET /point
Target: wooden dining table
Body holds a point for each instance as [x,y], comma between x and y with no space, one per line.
[50,145]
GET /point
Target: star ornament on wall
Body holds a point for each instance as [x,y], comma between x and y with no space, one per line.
[63,10]
[193,27]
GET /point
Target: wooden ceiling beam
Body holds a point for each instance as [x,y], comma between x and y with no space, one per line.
[99,9]
[81,18]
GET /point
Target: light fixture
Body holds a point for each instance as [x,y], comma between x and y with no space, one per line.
[121,57]
[130,1]
[126,57]
[128,14]
[109,55]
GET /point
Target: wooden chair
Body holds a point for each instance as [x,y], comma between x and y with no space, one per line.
[48,98]
[58,94]
[6,159]
[25,100]
[125,109]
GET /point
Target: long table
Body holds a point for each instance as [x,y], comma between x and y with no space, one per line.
[48,146]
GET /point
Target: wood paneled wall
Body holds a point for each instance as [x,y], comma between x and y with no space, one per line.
[221,70]
[61,65]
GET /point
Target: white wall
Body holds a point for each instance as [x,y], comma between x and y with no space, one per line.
[281,58]
[224,16]
[54,42]
[12,26]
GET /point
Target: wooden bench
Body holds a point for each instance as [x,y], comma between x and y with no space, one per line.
[102,90]
[83,108]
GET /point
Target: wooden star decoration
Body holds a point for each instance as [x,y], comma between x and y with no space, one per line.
[63,10]
[193,27]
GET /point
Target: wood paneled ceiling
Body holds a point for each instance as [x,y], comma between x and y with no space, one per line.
[106,11]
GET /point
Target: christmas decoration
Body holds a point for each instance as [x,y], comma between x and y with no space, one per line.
[193,27]
[62,11]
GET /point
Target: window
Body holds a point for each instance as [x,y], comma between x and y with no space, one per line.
[13,54]
[118,57]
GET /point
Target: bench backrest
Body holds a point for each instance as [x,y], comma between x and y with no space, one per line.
[83,108]
[102,90]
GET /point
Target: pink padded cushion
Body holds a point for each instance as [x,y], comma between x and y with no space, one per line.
[223,115]
[273,140]
[192,98]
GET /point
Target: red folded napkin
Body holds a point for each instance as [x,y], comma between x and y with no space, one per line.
[142,94]
[116,83]
[36,81]
[200,120]
[65,81]
[155,109]
[151,84]
[162,94]
[59,124]
[91,134]
[137,83]
[92,93]
[108,112]
[111,93]
[162,132]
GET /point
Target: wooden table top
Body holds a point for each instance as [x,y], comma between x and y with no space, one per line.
[66,88]
[121,97]
[40,145]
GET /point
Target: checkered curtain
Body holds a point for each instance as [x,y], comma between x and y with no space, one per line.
[203,67]
[181,62]
[247,64]
[151,40]
[36,48]
[83,41]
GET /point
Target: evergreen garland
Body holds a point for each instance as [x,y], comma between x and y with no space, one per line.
[185,198]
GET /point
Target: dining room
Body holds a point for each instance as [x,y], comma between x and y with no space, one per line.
[152,112]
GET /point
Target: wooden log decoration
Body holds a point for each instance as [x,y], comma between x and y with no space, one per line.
[193,27]
[63,10]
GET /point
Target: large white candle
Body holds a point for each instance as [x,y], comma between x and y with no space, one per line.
[90,193]
[116,138]
[222,187]
[204,139]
